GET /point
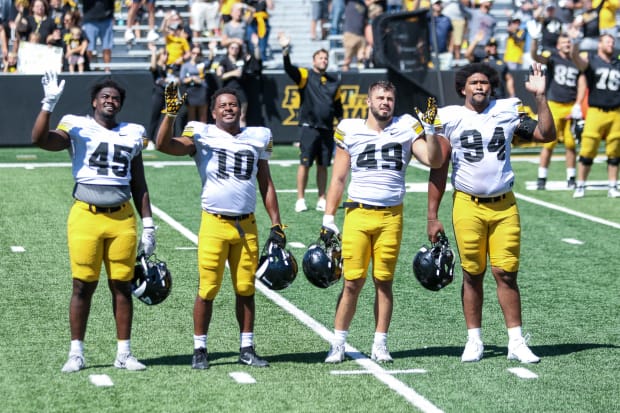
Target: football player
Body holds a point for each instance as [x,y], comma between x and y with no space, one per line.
[565,91]
[485,215]
[108,172]
[230,161]
[376,152]
[602,70]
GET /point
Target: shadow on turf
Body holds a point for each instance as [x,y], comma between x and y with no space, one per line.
[490,351]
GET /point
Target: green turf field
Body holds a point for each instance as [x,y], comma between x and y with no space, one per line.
[569,282]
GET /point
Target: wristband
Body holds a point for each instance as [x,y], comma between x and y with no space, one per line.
[48,107]
[147,222]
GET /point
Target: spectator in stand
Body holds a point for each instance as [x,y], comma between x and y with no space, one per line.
[607,20]
[318,18]
[252,84]
[230,73]
[505,88]
[226,10]
[566,11]
[479,21]
[259,25]
[152,35]
[452,10]
[353,40]
[235,30]
[72,18]
[177,44]
[515,44]
[194,82]
[550,28]
[39,22]
[375,9]
[443,34]
[6,10]
[75,48]
[205,18]
[588,22]
[98,18]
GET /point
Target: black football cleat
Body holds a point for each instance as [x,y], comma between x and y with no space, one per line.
[248,356]
[199,359]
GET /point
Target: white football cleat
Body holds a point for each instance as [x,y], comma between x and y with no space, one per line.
[300,205]
[518,350]
[380,354]
[128,361]
[473,351]
[74,363]
[335,355]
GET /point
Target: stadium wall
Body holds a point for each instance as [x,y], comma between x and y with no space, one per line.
[21,96]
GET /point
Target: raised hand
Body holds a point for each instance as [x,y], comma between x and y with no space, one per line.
[429,118]
[536,80]
[173,100]
[52,90]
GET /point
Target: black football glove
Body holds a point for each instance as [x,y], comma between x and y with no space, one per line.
[329,236]
[277,235]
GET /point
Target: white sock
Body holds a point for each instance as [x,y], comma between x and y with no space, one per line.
[380,339]
[542,172]
[474,334]
[570,173]
[247,340]
[515,333]
[123,346]
[77,347]
[200,341]
[580,184]
[613,184]
[340,337]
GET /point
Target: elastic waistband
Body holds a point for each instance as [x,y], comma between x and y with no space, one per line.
[364,206]
[480,200]
[232,217]
[99,209]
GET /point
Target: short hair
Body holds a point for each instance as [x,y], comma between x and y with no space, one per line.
[382,84]
[320,51]
[461,76]
[224,91]
[107,83]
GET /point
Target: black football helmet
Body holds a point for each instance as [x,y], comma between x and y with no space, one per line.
[434,267]
[152,280]
[322,263]
[277,267]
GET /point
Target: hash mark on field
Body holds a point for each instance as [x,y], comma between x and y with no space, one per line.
[296,244]
[523,373]
[242,377]
[17,248]
[353,372]
[572,241]
[100,380]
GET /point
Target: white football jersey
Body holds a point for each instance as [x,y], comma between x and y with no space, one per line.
[481,144]
[102,156]
[378,160]
[228,165]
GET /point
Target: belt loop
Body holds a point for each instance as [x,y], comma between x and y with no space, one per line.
[92,208]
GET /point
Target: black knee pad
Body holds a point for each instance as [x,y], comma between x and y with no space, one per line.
[586,161]
[613,161]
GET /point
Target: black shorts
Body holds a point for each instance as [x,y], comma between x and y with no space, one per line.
[316,145]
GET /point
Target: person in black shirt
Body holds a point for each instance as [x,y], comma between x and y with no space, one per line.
[319,104]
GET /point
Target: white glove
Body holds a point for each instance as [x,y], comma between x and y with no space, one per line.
[330,224]
[575,112]
[534,29]
[52,90]
[147,242]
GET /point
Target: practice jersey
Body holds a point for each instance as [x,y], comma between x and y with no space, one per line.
[481,145]
[603,82]
[102,156]
[563,73]
[228,166]
[378,159]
